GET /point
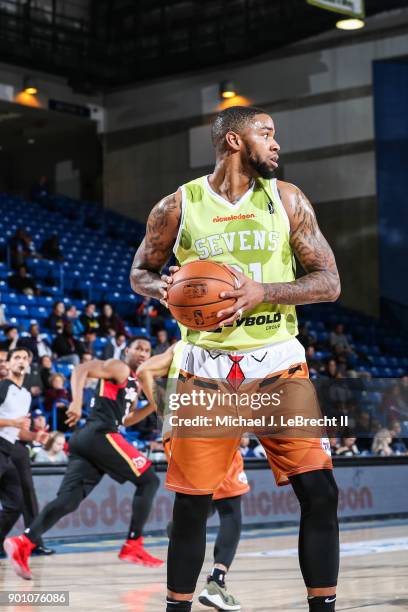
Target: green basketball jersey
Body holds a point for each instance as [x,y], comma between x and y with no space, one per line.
[252,236]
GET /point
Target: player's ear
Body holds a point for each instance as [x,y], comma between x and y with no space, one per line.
[233,140]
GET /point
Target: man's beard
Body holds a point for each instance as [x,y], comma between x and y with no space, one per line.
[259,166]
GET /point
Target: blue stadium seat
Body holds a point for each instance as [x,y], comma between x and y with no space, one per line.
[10,298]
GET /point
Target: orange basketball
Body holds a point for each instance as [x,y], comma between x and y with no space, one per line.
[194,296]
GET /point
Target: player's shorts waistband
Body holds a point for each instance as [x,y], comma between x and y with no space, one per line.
[261,349]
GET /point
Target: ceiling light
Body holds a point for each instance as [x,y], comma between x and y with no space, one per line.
[31,141]
[350,24]
[227,90]
[30,87]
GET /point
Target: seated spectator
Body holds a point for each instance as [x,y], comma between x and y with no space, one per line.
[338,339]
[21,247]
[364,431]
[89,318]
[109,320]
[157,315]
[394,404]
[382,443]
[347,447]
[342,360]
[142,312]
[12,338]
[73,317]
[59,395]
[53,451]
[245,448]
[46,371]
[39,424]
[315,365]
[331,369]
[36,343]
[334,445]
[162,342]
[115,348]
[67,348]
[22,282]
[39,421]
[88,344]
[32,381]
[57,319]
[50,249]
[399,444]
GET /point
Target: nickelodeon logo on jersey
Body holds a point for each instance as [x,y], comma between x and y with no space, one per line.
[233,217]
[233,242]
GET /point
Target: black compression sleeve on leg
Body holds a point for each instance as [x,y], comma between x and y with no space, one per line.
[229,532]
[319,529]
[187,542]
[146,487]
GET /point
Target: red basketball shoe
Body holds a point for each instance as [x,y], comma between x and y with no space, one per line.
[133,552]
[18,550]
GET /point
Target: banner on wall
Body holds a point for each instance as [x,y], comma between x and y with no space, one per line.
[355,8]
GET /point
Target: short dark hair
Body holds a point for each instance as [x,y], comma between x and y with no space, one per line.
[134,339]
[18,349]
[235,119]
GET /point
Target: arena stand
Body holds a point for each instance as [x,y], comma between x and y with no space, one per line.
[98,247]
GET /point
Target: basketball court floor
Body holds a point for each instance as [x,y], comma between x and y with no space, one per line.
[265,574]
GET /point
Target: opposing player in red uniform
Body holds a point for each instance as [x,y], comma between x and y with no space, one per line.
[99,449]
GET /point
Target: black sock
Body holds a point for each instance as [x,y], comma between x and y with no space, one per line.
[218,575]
[327,603]
[178,606]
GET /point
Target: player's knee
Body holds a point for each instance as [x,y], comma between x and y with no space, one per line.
[317,492]
[190,511]
[154,481]
[148,482]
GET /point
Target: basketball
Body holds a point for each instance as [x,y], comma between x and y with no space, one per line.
[194,297]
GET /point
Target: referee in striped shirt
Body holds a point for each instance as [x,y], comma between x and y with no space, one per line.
[15,403]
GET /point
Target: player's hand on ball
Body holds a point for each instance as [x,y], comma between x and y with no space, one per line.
[248,295]
[73,413]
[168,280]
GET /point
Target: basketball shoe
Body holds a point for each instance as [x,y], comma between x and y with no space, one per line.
[134,552]
[18,550]
[215,596]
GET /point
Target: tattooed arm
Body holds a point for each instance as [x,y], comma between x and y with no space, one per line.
[321,282]
[156,248]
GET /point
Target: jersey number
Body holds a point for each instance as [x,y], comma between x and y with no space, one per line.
[254,268]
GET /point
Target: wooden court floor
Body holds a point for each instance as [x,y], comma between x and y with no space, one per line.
[264,576]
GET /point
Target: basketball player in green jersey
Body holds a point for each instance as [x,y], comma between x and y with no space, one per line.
[239,215]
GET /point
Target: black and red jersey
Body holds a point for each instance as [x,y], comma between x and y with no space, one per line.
[111,403]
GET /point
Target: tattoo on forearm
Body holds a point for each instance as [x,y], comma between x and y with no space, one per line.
[156,248]
[321,282]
